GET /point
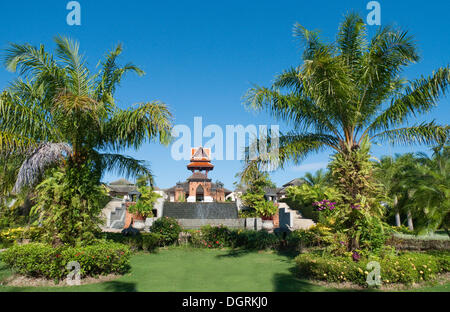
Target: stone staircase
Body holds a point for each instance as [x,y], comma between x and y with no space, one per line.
[292,219]
[114,214]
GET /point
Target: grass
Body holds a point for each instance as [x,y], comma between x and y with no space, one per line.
[192,270]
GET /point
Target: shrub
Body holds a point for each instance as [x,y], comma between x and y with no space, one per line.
[168,228]
[69,202]
[302,197]
[258,240]
[10,236]
[211,237]
[143,241]
[145,203]
[405,268]
[220,236]
[373,234]
[42,260]
[402,230]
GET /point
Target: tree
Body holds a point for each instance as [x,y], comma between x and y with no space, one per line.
[255,185]
[320,177]
[431,198]
[59,114]
[58,108]
[400,176]
[346,93]
[349,91]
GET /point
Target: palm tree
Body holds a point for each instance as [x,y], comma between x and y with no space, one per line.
[400,177]
[320,177]
[58,110]
[349,92]
[431,199]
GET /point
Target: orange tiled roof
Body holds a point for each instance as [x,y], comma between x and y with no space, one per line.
[200,164]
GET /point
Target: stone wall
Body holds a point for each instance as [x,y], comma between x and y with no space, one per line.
[249,223]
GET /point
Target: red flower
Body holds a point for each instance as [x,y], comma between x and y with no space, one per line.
[217,242]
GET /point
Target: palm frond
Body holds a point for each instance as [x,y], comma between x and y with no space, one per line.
[125,166]
[425,133]
[37,161]
[419,97]
[132,127]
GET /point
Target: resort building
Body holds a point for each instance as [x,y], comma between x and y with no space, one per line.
[198,187]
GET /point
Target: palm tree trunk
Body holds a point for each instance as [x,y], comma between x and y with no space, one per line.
[410,221]
[398,221]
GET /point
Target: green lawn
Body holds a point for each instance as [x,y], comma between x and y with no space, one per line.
[180,269]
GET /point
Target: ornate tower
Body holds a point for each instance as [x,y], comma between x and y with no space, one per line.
[199,183]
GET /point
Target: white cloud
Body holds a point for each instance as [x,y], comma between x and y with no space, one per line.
[310,167]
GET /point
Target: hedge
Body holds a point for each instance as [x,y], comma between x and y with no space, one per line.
[143,241]
[402,243]
[405,268]
[42,260]
[220,236]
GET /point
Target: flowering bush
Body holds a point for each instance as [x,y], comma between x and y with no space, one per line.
[310,200]
[220,236]
[42,260]
[212,237]
[405,268]
[168,228]
[325,204]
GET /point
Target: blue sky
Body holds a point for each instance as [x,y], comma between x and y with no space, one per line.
[201,56]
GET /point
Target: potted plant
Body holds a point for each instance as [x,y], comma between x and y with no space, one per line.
[142,209]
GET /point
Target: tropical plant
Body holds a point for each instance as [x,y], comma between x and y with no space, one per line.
[145,203]
[320,177]
[58,113]
[431,198]
[346,93]
[58,109]
[255,185]
[350,91]
[399,176]
[303,197]
[68,204]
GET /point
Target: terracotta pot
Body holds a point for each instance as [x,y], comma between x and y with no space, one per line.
[138,217]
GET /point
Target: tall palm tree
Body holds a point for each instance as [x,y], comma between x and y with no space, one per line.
[350,91]
[58,109]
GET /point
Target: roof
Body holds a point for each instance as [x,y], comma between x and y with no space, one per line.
[200,153]
[295,182]
[185,186]
[123,189]
[121,182]
[198,176]
[200,164]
